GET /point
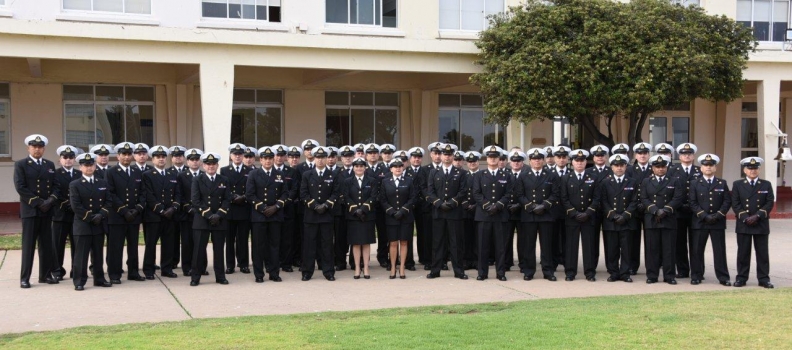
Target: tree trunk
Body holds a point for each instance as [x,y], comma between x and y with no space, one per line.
[643,116]
[591,127]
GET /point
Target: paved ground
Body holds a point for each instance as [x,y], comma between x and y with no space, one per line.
[48,307]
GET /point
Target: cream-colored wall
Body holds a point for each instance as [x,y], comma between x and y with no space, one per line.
[541,130]
[304,112]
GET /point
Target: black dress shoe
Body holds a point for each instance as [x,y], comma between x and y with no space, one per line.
[767,285]
[569,278]
[384,265]
[444,267]
[551,278]
[633,272]
[24,284]
[502,278]
[59,278]
[306,278]
[229,271]
[79,288]
[115,281]
[695,282]
[725,283]
[330,278]
[193,283]
[205,273]
[612,279]
[340,268]
[136,278]
[222,281]
[682,275]
[244,269]
[591,279]
[49,280]
[628,280]
[287,269]
[150,277]
[275,279]
[259,279]
[739,284]
[432,275]
[651,280]
[169,274]
[156,267]
[411,268]
[427,267]
[461,276]
[103,284]
[671,282]
[480,278]
[527,278]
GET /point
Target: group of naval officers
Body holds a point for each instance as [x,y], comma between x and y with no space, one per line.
[283,212]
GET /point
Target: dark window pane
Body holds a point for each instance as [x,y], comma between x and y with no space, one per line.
[249,9]
[362,126]
[490,136]
[471,101]
[274,14]
[362,99]
[243,125]
[353,11]
[366,11]
[336,98]
[214,9]
[658,130]
[681,129]
[234,10]
[109,93]
[139,93]
[337,127]
[261,12]
[762,31]
[377,12]
[386,99]
[447,100]
[4,91]
[79,125]
[78,93]
[244,96]
[386,126]
[110,124]
[269,96]
[336,11]
[779,31]
[749,135]
[448,130]
[139,124]
[268,126]
[750,107]
[472,130]
[5,128]
[389,18]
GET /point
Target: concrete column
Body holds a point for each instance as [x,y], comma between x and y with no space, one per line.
[217,94]
[768,99]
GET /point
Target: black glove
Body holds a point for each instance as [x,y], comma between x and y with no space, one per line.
[214,219]
[321,209]
[97,219]
[168,213]
[470,207]
[640,207]
[582,217]
[238,199]
[129,216]
[68,207]
[360,214]
[686,207]
[493,209]
[445,207]
[539,209]
[399,214]
[270,211]
[620,219]
[711,218]
[752,220]
[531,206]
[513,208]
[661,214]
[191,211]
[46,205]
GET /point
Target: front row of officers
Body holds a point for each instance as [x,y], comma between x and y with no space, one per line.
[309,212]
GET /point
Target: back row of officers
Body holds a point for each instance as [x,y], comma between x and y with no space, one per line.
[298,213]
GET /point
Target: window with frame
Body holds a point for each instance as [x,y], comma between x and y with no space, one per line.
[259,10]
[113,6]
[378,13]
[110,114]
[468,14]
[5,120]
[361,117]
[2,3]
[257,117]
[687,2]
[461,122]
[768,18]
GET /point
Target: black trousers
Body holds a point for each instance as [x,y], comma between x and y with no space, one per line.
[660,244]
[530,230]
[635,246]
[684,239]
[744,257]
[323,235]
[489,232]
[200,258]
[559,242]
[288,232]
[93,244]
[617,249]
[382,238]
[37,230]
[299,229]
[340,243]
[61,232]
[513,226]
[699,245]
[595,242]
[115,250]
[187,245]
[266,248]
[237,242]
[162,231]
[446,237]
[469,244]
[423,229]
[177,238]
[574,235]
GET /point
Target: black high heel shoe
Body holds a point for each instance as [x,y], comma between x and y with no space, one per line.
[393,276]
[367,276]
[357,277]
[403,277]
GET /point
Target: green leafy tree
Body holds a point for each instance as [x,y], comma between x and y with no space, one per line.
[594,59]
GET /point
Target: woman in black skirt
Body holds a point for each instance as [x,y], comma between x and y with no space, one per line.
[360,193]
[397,197]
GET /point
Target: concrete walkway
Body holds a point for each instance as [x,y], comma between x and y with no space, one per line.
[48,307]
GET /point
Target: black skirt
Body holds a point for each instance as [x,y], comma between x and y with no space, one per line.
[401,232]
[360,232]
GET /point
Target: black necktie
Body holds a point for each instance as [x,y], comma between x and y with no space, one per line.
[38,162]
[195,174]
[267,172]
[561,172]
[753,183]
[310,165]
[618,181]
[320,173]
[580,177]
[211,178]
[687,170]
[90,180]
[162,172]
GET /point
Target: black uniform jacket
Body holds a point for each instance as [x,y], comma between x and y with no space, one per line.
[62,208]
[315,191]
[756,200]
[88,199]
[451,188]
[35,184]
[185,179]
[708,199]
[357,197]
[580,196]
[263,191]
[677,170]
[491,190]
[545,190]
[210,198]
[162,192]
[392,198]
[619,199]
[127,191]
[667,195]
[237,181]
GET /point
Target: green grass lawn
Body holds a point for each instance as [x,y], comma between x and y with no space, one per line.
[749,318]
[14,242]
